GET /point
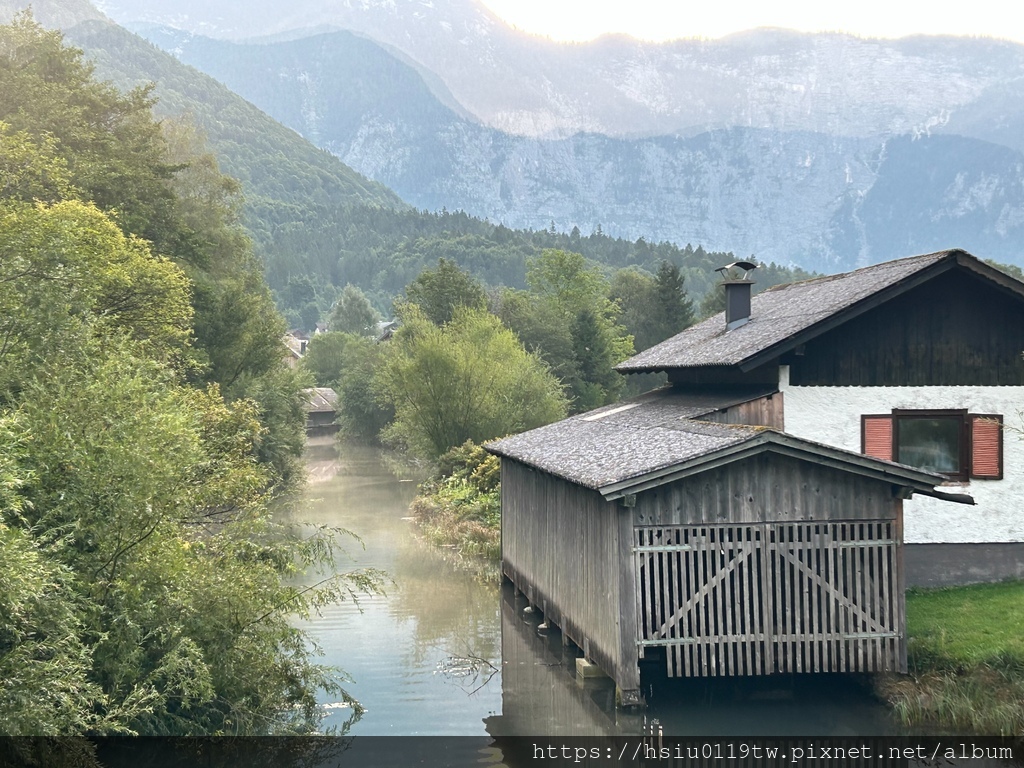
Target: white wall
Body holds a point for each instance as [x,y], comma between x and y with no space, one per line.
[831,415]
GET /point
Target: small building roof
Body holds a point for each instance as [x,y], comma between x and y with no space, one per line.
[642,443]
[321,400]
[784,316]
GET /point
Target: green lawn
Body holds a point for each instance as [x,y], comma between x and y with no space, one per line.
[966,659]
[962,626]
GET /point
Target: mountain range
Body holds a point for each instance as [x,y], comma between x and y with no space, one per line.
[826,151]
[824,199]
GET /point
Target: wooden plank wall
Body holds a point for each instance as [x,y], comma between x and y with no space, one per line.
[760,550]
[940,333]
[766,598]
[767,487]
[762,412]
[561,546]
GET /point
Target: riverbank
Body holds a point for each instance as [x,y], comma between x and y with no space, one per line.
[459,509]
[965,647]
[966,659]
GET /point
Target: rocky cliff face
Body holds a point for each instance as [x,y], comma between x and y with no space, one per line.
[827,83]
[824,199]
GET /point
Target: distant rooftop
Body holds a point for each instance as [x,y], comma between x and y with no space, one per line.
[321,399]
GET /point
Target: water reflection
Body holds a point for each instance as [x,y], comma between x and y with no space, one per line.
[398,648]
[444,654]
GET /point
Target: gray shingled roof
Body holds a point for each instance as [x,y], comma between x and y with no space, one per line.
[778,314]
[640,443]
[620,441]
[320,400]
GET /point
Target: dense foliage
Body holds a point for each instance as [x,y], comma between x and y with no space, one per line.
[147,425]
[460,506]
[382,250]
[469,379]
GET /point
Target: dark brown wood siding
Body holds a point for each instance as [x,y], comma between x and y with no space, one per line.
[953,330]
[569,550]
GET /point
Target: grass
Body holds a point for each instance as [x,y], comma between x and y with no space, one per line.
[966,660]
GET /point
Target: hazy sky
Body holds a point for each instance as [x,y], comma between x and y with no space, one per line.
[667,19]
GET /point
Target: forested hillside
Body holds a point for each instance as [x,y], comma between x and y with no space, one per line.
[147,426]
[284,176]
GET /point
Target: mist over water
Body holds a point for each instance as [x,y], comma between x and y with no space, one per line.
[443,653]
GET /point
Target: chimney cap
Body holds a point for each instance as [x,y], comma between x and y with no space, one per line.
[729,275]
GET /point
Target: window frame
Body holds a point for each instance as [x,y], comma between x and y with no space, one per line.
[883,435]
[964,442]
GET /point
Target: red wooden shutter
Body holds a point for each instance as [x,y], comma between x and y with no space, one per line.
[876,436]
[986,447]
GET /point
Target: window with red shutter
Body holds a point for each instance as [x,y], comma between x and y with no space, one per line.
[986,447]
[876,436]
[951,442]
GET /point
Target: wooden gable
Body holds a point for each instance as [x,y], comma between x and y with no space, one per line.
[955,329]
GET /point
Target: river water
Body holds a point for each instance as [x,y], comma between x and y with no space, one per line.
[443,653]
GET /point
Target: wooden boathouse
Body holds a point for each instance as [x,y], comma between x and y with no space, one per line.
[657,526]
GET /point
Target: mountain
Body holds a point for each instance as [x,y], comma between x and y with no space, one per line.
[526,85]
[825,201]
[286,179]
[283,175]
[53,14]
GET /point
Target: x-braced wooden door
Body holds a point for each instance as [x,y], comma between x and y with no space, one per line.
[757,599]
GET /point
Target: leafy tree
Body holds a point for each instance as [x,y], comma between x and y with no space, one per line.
[44,665]
[712,303]
[31,169]
[68,261]
[147,428]
[362,414]
[634,292]
[468,380]
[576,296]
[325,357]
[353,313]
[441,292]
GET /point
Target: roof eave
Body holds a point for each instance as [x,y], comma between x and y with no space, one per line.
[918,481]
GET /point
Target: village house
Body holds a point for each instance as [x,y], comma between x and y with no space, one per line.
[321,411]
[820,446]
[918,361]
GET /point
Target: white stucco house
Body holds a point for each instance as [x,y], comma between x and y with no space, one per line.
[916,361]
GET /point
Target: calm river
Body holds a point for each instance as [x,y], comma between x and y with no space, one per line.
[444,654]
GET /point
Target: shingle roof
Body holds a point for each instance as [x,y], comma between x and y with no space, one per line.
[624,440]
[320,400]
[641,443]
[782,312]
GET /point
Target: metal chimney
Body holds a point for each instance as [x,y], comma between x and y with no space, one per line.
[737,283]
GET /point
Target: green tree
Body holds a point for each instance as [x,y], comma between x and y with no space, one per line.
[68,261]
[712,303]
[442,291]
[674,307]
[635,294]
[576,296]
[147,425]
[468,380]
[325,357]
[353,313]
[362,414]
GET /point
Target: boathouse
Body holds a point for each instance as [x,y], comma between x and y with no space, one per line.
[321,411]
[732,550]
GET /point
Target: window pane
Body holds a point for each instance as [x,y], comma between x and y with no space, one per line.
[932,444]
